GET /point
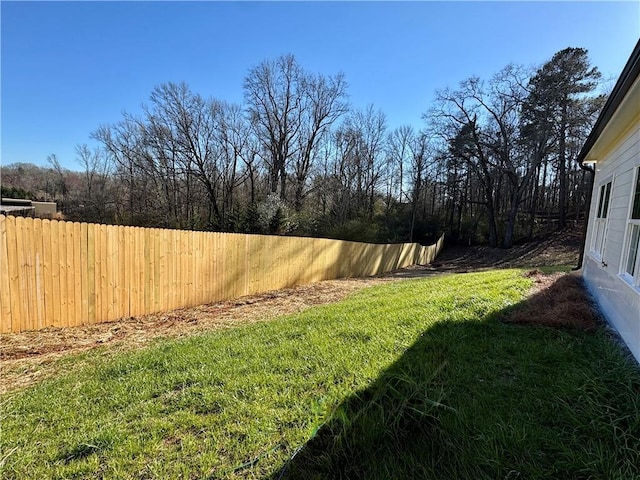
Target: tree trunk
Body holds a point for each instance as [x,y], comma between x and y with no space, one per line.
[491,215]
[562,169]
[493,229]
[510,227]
[534,203]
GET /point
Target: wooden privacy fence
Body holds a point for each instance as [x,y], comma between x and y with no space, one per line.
[64,274]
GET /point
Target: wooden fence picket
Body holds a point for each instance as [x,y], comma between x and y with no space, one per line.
[5,282]
[63,274]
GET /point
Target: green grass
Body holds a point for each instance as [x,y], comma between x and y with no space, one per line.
[550,269]
[414,379]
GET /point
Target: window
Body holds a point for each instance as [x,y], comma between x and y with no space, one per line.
[600,227]
[631,262]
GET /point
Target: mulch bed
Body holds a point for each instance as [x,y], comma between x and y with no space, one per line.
[28,357]
[558,300]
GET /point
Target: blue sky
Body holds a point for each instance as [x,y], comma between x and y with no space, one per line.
[68,67]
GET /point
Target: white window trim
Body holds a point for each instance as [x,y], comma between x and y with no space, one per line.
[631,280]
[601,224]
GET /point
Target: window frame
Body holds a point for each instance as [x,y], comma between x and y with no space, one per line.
[601,220]
[632,226]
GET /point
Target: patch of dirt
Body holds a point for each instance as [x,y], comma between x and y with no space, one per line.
[28,357]
[558,248]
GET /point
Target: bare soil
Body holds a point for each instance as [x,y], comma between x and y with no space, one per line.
[28,357]
[557,248]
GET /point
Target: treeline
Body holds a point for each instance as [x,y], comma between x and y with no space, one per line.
[494,160]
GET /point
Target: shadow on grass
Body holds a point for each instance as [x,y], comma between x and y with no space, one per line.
[486,399]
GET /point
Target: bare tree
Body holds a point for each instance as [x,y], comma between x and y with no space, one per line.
[480,123]
[400,154]
[290,111]
[181,126]
[236,149]
[322,104]
[273,96]
[61,176]
[419,156]
[368,127]
[98,195]
[124,142]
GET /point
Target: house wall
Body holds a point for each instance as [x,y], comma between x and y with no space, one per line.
[45,209]
[19,206]
[619,301]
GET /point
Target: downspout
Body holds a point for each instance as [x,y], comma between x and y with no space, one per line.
[583,241]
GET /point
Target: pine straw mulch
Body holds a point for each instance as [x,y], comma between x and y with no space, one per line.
[557,300]
[28,357]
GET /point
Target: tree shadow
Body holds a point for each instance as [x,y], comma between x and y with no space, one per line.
[485,398]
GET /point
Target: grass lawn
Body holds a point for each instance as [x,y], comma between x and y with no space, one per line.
[413,379]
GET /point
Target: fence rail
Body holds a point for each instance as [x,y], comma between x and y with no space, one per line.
[63,274]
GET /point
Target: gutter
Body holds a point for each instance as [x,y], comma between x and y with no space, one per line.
[628,76]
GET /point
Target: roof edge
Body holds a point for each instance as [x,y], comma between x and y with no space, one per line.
[630,73]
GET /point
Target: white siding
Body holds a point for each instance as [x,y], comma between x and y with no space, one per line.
[620,302]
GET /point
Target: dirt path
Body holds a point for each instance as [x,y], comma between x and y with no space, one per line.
[28,357]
